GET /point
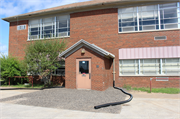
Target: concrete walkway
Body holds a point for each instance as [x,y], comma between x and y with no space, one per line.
[143,106]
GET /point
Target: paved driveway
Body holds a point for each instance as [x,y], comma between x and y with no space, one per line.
[143,106]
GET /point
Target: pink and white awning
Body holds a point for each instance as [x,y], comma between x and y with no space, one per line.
[150,52]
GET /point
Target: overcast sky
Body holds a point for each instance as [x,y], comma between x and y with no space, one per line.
[15,7]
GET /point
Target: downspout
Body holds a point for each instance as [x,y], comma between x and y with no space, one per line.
[114,72]
[115,103]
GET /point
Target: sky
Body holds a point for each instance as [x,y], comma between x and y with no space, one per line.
[15,7]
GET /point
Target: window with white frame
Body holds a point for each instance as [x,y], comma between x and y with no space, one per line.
[128,19]
[169,66]
[49,27]
[34,29]
[128,67]
[60,71]
[62,26]
[152,17]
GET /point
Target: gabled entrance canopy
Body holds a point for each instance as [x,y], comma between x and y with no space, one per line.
[82,43]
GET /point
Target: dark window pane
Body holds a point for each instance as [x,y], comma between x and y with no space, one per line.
[120,30]
[47,27]
[47,35]
[34,29]
[68,33]
[140,28]
[157,21]
[157,26]
[170,21]
[34,33]
[84,67]
[47,31]
[136,28]
[119,24]
[62,24]
[63,30]
[170,15]
[128,19]
[128,24]
[174,10]
[162,26]
[119,20]
[149,22]
[162,21]
[140,22]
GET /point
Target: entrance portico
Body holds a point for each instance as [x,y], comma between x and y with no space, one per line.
[88,66]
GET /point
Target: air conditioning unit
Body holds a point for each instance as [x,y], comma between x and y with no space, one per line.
[62,34]
[33,37]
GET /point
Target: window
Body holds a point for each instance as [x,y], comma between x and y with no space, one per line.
[60,71]
[84,67]
[62,26]
[128,19]
[21,27]
[49,27]
[34,29]
[128,67]
[169,15]
[171,66]
[153,17]
[148,18]
[149,67]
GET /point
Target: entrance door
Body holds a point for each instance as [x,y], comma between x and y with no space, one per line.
[83,73]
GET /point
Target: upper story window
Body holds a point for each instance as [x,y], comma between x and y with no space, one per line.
[152,17]
[50,27]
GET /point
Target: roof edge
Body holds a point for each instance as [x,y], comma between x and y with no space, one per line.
[94,47]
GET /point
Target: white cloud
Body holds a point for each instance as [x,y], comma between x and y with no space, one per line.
[3,49]
[15,7]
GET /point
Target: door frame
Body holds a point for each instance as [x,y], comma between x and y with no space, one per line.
[77,68]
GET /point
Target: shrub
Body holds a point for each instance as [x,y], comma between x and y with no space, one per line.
[10,67]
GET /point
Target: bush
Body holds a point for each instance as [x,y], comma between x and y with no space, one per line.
[10,67]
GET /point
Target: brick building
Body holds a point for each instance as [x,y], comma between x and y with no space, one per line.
[126,41]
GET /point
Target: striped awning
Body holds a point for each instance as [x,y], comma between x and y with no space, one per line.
[150,52]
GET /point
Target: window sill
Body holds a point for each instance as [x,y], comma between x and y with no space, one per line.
[149,31]
[49,38]
[146,75]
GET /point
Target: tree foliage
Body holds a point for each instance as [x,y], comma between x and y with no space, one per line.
[11,66]
[42,56]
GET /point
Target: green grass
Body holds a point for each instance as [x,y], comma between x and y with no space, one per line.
[155,90]
[24,86]
[159,90]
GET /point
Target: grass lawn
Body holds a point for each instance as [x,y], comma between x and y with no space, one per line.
[24,86]
[155,90]
[160,90]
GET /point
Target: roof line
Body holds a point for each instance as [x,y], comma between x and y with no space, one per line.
[94,47]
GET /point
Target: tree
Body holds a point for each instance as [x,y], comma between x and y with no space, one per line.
[11,66]
[42,57]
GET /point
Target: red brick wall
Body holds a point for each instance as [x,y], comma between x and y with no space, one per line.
[143,81]
[17,39]
[98,75]
[99,27]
